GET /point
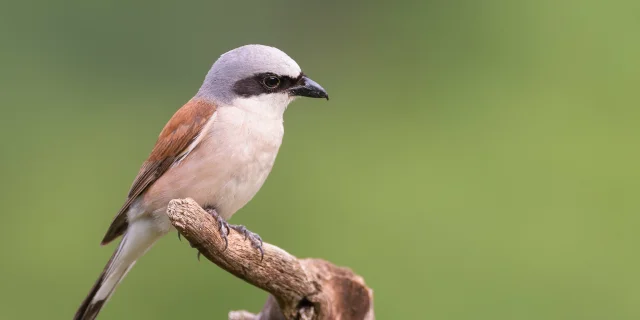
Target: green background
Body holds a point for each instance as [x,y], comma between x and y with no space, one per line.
[477,160]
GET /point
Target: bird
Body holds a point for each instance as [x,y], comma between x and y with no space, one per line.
[217,149]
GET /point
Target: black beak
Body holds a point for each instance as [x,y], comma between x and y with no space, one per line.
[308,88]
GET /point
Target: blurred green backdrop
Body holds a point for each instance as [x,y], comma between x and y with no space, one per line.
[477,160]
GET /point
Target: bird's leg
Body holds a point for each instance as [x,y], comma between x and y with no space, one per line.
[254,238]
[223,225]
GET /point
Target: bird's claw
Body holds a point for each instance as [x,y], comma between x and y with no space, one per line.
[193,246]
[254,238]
[224,228]
[224,231]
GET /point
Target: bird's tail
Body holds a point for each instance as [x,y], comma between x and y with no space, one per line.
[138,238]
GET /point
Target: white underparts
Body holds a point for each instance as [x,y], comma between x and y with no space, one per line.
[270,106]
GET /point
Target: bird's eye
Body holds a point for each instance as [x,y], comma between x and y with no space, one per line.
[271,82]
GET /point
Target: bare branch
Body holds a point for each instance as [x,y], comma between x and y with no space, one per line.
[300,289]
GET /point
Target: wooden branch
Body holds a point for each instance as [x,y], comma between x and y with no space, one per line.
[300,288]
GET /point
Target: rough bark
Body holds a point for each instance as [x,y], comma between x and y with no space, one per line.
[299,288]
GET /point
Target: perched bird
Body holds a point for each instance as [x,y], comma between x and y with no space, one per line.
[218,149]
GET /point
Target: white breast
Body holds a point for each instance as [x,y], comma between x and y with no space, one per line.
[251,143]
[226,169]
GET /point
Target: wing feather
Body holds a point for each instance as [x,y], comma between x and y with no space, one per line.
[177,139]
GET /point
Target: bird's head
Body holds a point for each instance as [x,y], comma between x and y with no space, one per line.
[258,78]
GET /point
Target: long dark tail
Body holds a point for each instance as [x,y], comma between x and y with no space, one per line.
[89,309]
[137,240]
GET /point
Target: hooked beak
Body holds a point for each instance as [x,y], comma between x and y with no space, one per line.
[308,88]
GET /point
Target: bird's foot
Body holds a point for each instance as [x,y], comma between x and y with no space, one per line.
[223,226]
[254,238]
[224,229]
